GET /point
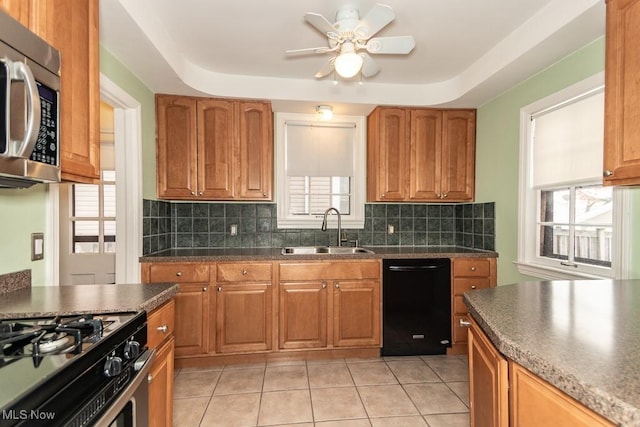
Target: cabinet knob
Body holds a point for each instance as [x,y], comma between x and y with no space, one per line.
[473,269]
[337,286]
[438,195]
[205,289]
[164,329]
[324,286]
[464,323]
[244,272]
[473,286]
[193,193]
[219,289]
[382,195]
[200,193]
[149,378]
[264,194]
[444,196]
[179,273]
[607,173]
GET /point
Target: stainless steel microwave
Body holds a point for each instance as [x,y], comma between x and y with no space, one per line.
[29,107]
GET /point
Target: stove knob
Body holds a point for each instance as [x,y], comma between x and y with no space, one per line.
[113,366]
[131,350]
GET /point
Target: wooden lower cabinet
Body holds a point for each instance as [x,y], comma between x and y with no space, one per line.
[488,382]
[532,402]
[244,317]
[356,313]
[160,329]
[303,315]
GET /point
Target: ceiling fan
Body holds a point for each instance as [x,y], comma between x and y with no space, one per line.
[351,39]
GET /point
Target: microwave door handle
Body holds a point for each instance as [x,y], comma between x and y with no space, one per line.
[21,71]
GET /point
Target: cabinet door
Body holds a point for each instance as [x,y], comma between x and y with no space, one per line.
[216,136]
[356,313]
[389,143]
[488,382]
[20,10]
[622,93]
[176,147]
[303,315]
[161,387]
[255,151]
[192,319]
[244,317]
[534,402]
[426,164]
[72,27]
[458,155]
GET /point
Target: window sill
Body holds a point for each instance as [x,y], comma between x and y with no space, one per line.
[316,223]
[551,273]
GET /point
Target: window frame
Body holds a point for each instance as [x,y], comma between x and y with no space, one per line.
[358,182]
[528,262]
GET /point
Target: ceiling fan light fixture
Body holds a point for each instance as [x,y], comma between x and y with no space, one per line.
[348,63]
[325,112]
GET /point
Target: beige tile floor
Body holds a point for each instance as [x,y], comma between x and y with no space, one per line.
[381,392]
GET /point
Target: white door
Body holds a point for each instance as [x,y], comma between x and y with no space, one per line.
[88,219]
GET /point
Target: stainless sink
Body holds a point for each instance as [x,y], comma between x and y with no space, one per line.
[323,250]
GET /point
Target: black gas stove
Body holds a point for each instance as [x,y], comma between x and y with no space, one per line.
[67,370]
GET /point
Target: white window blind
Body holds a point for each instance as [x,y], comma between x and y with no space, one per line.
[568,141]
[319,150]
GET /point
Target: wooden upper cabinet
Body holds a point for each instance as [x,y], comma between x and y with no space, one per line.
[622,94]
[458,155]
[71,26]
[214,149]
[255,157]
[176,147]
[421,155]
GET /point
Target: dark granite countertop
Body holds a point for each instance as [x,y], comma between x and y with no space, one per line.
[53,300]
[274,254]
[581,336]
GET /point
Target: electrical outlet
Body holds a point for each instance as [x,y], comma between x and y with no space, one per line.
[390,229]
[37,246]
[233,229]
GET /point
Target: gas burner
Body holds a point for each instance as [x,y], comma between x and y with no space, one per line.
[52,341]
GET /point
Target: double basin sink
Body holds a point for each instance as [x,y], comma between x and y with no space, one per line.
[324,250]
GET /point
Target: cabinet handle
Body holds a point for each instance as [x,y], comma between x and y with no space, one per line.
[337,286]
[179,273]
[264,194]
[244,272]
[164,329]
[473,286]
[200,193]
[149,378]
[324,286]
[464,323]
[444,196]
[205,289]
[193,193]
[438,196]
[473,269]
[607,173]
[219,289]
[381,195]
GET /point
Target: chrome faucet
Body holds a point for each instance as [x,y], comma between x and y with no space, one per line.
[341,238]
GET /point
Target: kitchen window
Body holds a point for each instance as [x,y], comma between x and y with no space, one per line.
[570,226]
[320,165]
[93,218]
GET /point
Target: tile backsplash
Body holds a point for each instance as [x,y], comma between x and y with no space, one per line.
[207,225]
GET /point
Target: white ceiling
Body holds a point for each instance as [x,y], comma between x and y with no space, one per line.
[467,51]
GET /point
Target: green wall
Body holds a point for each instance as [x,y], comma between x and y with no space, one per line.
[120,75]
[22,212]
[498,141]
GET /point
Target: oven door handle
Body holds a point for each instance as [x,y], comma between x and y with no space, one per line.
[147,358]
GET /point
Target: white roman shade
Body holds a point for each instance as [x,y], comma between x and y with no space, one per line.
[568,142]
[319,150]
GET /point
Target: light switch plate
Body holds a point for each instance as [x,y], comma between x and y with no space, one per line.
[37,246]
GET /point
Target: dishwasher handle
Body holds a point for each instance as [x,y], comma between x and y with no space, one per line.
[413,267]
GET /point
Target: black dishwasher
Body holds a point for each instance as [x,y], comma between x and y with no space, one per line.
[416,306]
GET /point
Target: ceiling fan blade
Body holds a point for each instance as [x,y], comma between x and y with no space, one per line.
[326,69]
[369,66]
[391,45]
[322,49]
[320,23]
[376,19]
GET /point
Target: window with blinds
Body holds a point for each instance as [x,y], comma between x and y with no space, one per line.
[93,217]
[320,166]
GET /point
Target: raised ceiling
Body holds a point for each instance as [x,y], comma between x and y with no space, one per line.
[467,52]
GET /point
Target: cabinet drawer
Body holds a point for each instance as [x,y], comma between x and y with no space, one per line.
[160,324]
[329,270]
[471,267]
[461,286]
[242,272]
[183,273]
[459,307]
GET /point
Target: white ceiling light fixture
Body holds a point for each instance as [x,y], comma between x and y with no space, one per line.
[325,112]
[349,34]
